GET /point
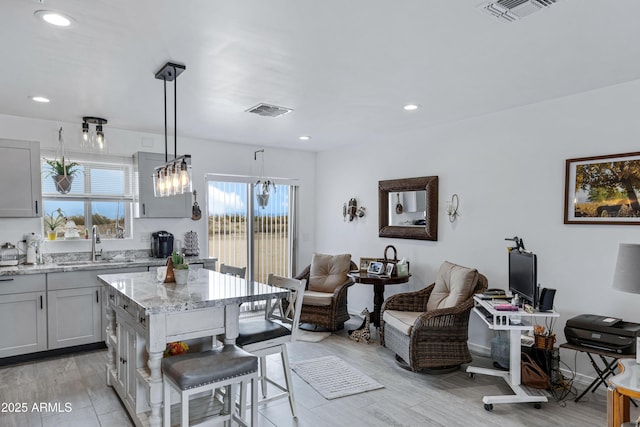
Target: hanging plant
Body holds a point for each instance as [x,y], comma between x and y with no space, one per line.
[62,171]
[263,186]
[263,192]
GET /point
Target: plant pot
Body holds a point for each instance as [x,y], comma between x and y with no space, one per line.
[181,276]
[63,183]
[51,235]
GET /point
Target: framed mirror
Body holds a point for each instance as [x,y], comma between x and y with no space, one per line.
[408,208]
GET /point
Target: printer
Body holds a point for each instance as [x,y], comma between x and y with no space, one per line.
[602,333]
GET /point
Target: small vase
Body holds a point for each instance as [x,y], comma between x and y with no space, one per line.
[51,235]
[181,276]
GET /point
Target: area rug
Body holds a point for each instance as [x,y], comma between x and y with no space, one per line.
[332,377]
[308,336]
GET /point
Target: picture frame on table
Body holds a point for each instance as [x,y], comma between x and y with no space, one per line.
[365,262]
[375,267]
[603,190]
[389,269]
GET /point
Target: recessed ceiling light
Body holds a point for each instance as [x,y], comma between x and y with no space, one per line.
[304,138]
[40,99]
[53,18]
[411,107]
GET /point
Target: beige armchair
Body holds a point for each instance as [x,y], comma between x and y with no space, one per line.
[428,329]
[325,298]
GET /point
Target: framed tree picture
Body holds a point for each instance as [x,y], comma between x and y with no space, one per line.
[602,190]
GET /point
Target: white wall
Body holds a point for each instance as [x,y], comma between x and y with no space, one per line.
[208,156]
[508,169]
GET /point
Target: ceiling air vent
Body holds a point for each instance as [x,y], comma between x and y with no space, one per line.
[512,10]
[269,110]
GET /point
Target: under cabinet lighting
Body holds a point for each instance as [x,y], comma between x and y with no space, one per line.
[41,99]
[304,138]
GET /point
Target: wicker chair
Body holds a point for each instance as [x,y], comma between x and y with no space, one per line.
[326,307]
[434,340]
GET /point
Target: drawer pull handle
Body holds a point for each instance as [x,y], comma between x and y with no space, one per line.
[124,306]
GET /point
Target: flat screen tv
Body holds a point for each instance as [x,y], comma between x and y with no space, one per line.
[523,277]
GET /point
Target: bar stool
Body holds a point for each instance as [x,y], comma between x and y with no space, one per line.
[227,366]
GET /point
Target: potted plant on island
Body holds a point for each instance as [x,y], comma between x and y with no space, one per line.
[180,268]
[52,222]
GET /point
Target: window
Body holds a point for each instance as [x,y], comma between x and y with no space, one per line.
[245,235]
[101,195]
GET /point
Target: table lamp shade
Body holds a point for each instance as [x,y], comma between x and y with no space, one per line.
[627,274]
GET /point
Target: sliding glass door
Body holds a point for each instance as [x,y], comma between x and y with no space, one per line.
[243,234]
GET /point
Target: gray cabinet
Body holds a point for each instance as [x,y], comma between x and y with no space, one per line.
[146,205]
[23,314]
[75,308]
[20,183]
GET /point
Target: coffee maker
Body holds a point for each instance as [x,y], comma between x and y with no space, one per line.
[161,244]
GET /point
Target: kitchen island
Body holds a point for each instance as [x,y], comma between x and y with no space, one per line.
[143,315]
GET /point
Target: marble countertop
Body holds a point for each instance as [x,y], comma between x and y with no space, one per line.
[89,265]
[205,288]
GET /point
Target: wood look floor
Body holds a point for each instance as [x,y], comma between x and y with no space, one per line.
[408,399]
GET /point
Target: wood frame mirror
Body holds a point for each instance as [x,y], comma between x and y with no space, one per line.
[386,188]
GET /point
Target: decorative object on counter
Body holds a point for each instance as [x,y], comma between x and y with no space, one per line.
[393,262]
[196,213]
[62,170]
[180,268]
[93,140]
[169,276]
[452,207]
[8,254]
[263,185]
[176,348]
[351,210]
[71,231]
[52,222]
[191,245]
[174,177]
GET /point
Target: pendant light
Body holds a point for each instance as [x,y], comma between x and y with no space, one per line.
[93,140]
[174,177]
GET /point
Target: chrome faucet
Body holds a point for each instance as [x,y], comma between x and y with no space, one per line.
[95,239]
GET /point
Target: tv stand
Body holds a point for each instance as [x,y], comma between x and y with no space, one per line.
[501,321]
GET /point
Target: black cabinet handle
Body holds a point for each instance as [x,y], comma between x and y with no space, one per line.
[41,303]
[36,207]
[144,210]
[124,306]
[6,279]
[97,300]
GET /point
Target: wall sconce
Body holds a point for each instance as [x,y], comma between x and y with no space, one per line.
[452,207]
[94,140]
[351,210]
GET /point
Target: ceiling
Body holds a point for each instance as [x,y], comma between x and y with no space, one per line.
[346,68]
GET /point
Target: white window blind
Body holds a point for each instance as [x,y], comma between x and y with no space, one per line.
[104,178]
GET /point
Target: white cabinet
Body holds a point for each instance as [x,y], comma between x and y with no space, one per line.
[74,317]
[75,308]
[20,183]
[23,314]
[146,205]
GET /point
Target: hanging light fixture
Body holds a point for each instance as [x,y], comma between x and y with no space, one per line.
[174,177]
[93,140]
